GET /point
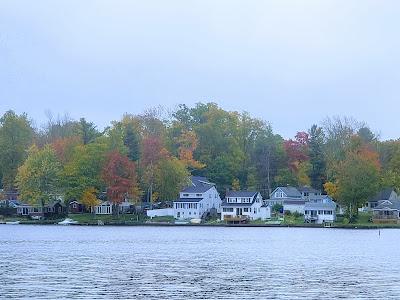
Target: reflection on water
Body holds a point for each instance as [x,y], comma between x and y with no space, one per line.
[197,263]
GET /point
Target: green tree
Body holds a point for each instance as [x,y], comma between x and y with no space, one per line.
[171,177]
[358,178]
[87,131]
[16,136]
[317,171]
[38,179]
[132,142]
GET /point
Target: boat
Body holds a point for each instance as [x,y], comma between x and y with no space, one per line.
[195,221]
[12,222]
[181,222]
[67,221]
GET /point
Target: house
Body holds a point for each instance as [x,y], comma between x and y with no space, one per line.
[24,209]
[244,205]
[55,208]
[386,211]
[104,208]
[308,193]
[197,200]
[76,207]
[320,210]
[289,197]
[385,194]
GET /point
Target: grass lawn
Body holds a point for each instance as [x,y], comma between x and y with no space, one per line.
[106,219]
[293,220]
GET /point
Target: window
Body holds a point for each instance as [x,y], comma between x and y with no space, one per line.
[199,195]
[227,209]
[245,209]
[320,212]
[185,195]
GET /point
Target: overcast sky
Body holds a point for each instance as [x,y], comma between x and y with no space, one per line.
[289,62]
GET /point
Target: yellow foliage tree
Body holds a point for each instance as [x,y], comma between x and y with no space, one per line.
[331,189]
[187,145]
[235,184]
[89,198]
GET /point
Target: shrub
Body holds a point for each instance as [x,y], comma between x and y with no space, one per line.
[346,221]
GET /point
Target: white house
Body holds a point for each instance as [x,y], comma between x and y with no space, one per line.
[289,197]
[196,200]
[320,211]
[244,204]
[104,208]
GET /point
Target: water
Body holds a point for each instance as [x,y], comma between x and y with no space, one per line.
[197,263]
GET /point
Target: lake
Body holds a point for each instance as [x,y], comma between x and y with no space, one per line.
[143,262]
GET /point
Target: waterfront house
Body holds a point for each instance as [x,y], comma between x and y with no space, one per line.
[76,207]
[244,205]
[197,200]
[319,211]
[387,211]
[289,197]
[24,209]
[308,193]
[55,208]
[385,194]
[104,208]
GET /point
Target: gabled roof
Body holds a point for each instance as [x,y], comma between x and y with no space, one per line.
[290,191]
[199,185]
[382,195]
[240,194]
[388,204]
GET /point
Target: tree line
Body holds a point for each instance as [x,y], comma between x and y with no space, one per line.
[150,156]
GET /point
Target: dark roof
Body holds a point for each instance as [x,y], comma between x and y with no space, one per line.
[199,185]
[300,201]
[241,194]
[290,191]
[307,189]
[388,204]
[188,200]
[382,195]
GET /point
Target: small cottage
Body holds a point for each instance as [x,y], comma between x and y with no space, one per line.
[76,207]
[387,211]
[320,211]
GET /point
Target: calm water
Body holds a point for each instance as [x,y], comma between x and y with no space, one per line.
[197,263]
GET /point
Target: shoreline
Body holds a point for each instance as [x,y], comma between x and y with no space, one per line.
[166,224]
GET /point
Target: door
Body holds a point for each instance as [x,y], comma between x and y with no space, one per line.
[239,211]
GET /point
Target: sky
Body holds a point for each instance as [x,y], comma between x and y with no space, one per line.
[292,63]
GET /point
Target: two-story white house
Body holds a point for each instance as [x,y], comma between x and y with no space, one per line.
[196,200]
[322,210]
[244,204]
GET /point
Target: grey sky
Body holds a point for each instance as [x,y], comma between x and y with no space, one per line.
[289,62]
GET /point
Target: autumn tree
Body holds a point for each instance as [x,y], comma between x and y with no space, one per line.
[297,152]
[38,178]
[89,198]
[188,143]
[120,178]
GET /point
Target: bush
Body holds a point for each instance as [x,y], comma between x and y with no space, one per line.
[297,214]
[288,213]
[346,221]
[8,211]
